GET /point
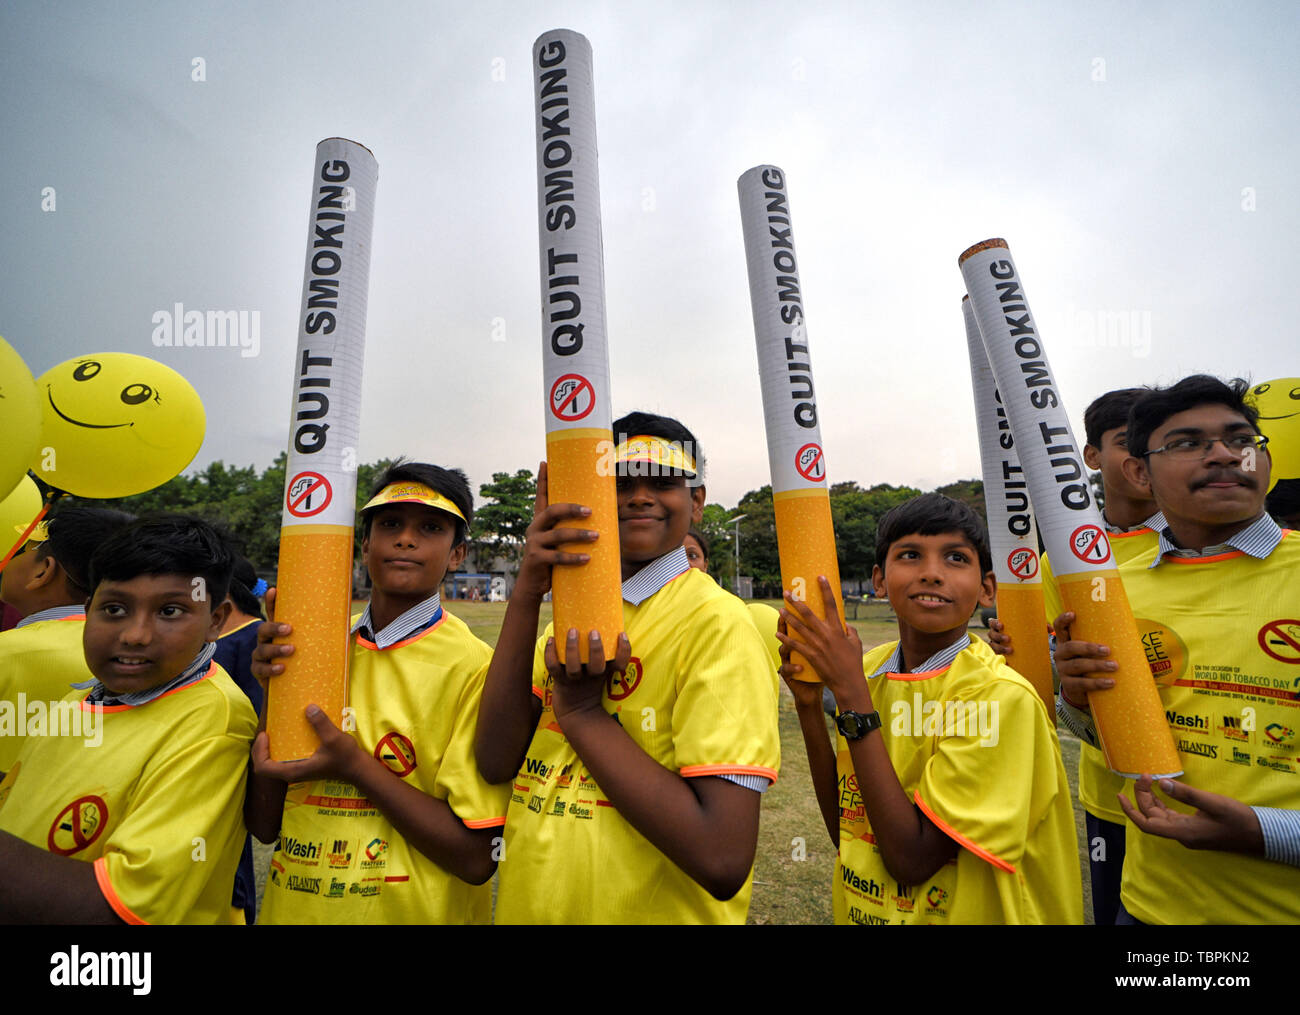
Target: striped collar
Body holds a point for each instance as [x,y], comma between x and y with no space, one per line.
[939,661]
[655,575]
[1155,523]
[53,613]
[101,695]
[417,618]
[1258,539]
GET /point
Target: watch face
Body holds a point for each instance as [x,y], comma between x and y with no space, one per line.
[850,724]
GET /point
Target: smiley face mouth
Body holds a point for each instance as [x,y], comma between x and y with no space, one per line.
[49,391]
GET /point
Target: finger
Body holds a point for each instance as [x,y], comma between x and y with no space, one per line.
[805,611]
[828,598]
[550,657]
[1202,800]
[268,631]
[595,653]
[798,632]
[1077,689]
[556,513]
[261,748]
[540,500]
[552,538]
[572,660]
[270,603]
[1061,625]
[320,722]
[995,625]
[1134,815]
[623,655]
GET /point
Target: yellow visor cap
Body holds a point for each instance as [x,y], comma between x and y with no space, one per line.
[37,535]
[405,492]
[669,456]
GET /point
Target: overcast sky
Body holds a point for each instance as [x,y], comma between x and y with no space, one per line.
[1140,160]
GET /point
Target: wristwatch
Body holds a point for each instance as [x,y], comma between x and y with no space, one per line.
[856,725]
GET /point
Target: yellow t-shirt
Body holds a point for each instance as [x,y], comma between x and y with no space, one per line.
[765,618]
[1098,785]
[698,697]
[1227,629]
[340,860]
[41,661]
[973,746]
[157,805]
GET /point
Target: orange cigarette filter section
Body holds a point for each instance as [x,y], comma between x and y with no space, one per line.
[1103,616]
[1021,610]
[807,545]
[311,557]
[581,595]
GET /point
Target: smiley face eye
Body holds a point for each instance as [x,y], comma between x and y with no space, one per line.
[134,394]
[1295,393]
[85,371]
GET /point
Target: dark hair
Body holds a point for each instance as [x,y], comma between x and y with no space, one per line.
[1157,405]
[75,533]
[1283,501]
[699,537]
[166,544]
[451,483]
[932,514]
[1109,411]
[650,424]
[242,580]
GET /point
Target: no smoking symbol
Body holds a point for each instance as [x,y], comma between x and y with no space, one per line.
[1023,563]
[309,494]
[1281,640]
[811,463]
[572,398]
[1090,545]
[78,825]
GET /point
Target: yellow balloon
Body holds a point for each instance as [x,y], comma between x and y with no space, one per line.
[20,419]
[17,511]
[1278,405]
[116,424]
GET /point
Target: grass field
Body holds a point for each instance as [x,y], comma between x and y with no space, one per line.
[796,861]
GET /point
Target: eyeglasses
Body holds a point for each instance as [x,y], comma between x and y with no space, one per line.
[1186,448]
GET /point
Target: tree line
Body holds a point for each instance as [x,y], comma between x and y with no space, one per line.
[248,504]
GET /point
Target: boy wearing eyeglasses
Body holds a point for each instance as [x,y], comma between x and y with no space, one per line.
[1219,601]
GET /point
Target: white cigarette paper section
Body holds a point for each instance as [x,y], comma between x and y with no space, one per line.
[575,358]
[794,440]
[1013,535]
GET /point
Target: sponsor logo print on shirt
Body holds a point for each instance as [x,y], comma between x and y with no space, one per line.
[1203,750]
[1239,757]
[1165,651]
[1232,729]
[1278,733]
[935,897]
[1276,764]
[340,854]
[298,883]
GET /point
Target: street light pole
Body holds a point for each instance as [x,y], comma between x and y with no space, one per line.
[737,520]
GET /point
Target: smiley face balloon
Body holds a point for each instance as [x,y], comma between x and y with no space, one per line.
[20,419]
[1278,405]
[116,424]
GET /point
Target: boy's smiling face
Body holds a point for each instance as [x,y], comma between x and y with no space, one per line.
[143,632]
[934,582]
[409,550]
[654,515]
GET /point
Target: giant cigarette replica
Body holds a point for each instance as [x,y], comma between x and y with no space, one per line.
[800,493]
[1129,717]
[1013,536]
[575,363]
[319,508]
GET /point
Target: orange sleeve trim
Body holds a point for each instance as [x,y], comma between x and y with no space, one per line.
[538,691]
[1202,560]
[484,822]
[1130,534]
[960,839]
[111,896]
[693,771]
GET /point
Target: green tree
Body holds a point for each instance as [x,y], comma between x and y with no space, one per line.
[501,522]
